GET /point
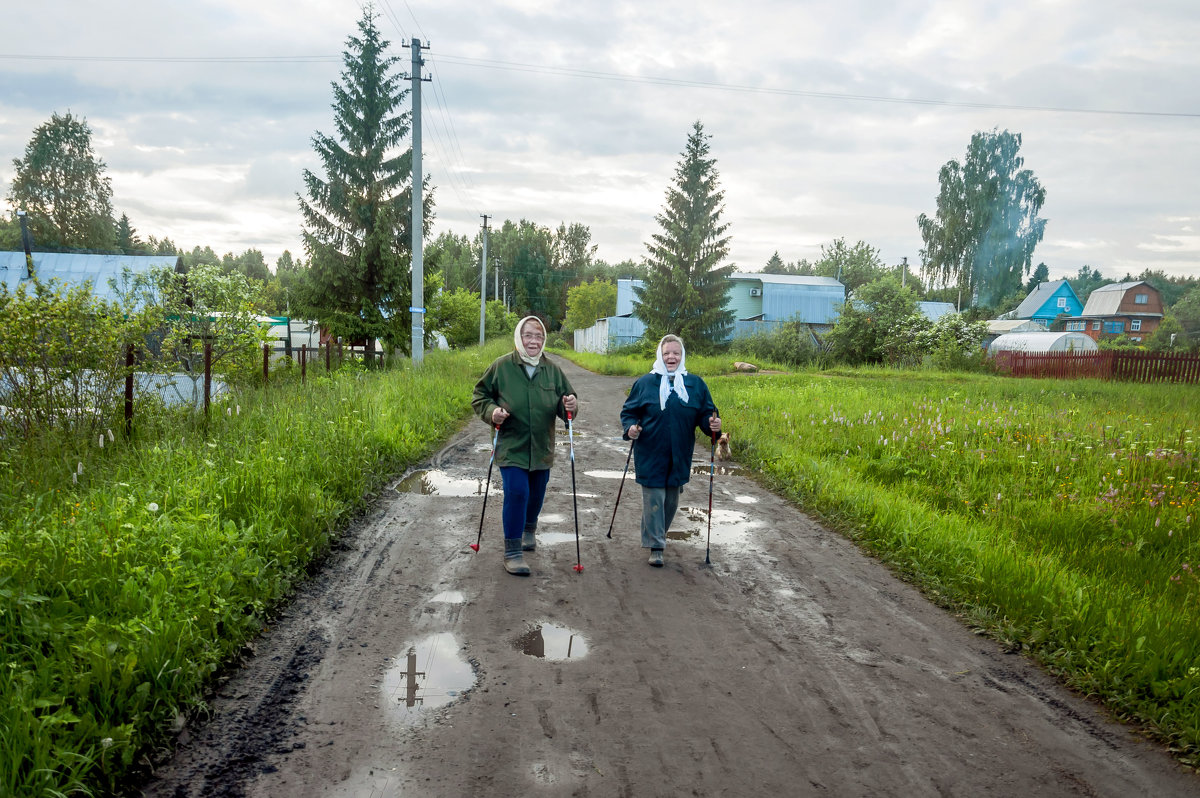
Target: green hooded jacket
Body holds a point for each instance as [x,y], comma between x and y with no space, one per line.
[526,436]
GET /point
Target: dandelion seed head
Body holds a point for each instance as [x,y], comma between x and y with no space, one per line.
[152,507]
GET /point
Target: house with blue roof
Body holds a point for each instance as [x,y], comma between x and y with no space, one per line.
[75,269]
[1047,301]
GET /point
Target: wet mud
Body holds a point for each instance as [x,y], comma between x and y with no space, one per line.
[791,664]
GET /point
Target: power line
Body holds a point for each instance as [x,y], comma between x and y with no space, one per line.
[484,63]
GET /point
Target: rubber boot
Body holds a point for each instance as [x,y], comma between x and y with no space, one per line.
[528,541]
[514,563]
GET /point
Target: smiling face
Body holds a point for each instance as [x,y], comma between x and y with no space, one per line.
[672,353]
[532,338]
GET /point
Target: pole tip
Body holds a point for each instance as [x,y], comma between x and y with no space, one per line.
[474,547]
[578,568]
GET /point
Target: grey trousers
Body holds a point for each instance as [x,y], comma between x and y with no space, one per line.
[658,510]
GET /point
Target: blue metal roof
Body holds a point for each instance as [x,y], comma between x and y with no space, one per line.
[76,268]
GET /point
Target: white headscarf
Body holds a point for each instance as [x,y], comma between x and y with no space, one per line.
[520,345]
[673,382]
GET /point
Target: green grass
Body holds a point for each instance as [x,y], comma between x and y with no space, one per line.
[130,573]
[1061,517]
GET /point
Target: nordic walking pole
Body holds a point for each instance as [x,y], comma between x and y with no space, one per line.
[574,498]
[621,488]
[487,487]
[712,467]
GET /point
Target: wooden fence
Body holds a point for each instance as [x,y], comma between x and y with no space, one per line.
[1112,364]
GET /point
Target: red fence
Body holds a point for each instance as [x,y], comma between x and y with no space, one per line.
[1112,364]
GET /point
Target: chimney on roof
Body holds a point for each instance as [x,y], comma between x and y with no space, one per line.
[27,243]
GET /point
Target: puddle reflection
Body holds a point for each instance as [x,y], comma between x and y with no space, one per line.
[720,470]
[438,483]
[552,642]
[428,675]
[610,474]
[449,597]
[728,526]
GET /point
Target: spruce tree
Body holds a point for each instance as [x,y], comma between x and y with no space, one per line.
[357,215]
[685,288]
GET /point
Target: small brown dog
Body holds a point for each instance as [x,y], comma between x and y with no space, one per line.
[723,446]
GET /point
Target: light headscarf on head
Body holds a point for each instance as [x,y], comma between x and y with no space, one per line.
[520,345]
[672,382]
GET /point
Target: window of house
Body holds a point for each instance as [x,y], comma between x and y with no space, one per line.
[1135,325]
[1115,327]
[1141,299]
[1096,325]
[1062,302]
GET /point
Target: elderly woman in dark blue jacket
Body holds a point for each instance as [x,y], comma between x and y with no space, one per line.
[662,413]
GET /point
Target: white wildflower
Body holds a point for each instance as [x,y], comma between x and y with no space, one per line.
[152,507]
[79,469]
[110,435]
[101,441]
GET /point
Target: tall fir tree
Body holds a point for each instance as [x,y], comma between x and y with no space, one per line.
[357,216]
[685,288]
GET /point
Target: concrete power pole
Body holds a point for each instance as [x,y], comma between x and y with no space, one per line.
[903,270]
[483,282]
[418,215]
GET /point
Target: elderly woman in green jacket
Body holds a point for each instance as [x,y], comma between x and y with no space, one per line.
[521,394]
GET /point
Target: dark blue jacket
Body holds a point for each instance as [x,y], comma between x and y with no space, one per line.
[663,453]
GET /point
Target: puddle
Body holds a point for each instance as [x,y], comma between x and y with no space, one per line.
[554,538]
[611,474]
[721,470]
[429,674]
[552,642]
[728,526]
[438,483]
[745,500]
[449,597]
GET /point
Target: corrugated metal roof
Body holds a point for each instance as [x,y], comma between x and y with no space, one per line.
[786,279]
[935,310]
[77,268]
[1002,326]
[1106,300]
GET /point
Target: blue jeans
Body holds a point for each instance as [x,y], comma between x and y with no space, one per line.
[658,510]
[524,492]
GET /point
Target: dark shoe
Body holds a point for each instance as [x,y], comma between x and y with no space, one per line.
[528,541]
[656,558]
[514,563]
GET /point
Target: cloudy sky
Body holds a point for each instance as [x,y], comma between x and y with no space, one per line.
[827,119]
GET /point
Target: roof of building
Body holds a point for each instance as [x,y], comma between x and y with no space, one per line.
[787,279]
[76,268]
[1106,300]
[1040,294]
[935,310]
[1002,326]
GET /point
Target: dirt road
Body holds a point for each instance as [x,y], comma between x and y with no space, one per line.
[793,665]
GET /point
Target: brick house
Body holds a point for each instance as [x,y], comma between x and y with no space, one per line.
[1133,309]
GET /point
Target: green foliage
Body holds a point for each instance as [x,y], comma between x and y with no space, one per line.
[788,344]
[122,593]
[686,288]
[61,184]
[1187,312]
[1169,336]
[861,331]
[456,316]
[356,216]
[986,226]
[203,306]
[1062,517]
[588,302]
[956,343]
[62,358]
[854,266]
[456,259]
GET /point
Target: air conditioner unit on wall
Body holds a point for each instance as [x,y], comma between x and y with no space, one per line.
[755,292]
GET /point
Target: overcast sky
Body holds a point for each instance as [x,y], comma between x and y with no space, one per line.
[827,119]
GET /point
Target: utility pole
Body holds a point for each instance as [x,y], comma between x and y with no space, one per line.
[496,279]
[904,270]
[483,282]
[26,243]
[418,215]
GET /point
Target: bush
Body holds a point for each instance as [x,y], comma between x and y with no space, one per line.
[789,344]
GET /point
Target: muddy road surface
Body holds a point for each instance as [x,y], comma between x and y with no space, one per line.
[792,665]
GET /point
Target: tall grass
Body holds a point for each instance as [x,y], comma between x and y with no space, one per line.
[1062,517]
[129,572]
